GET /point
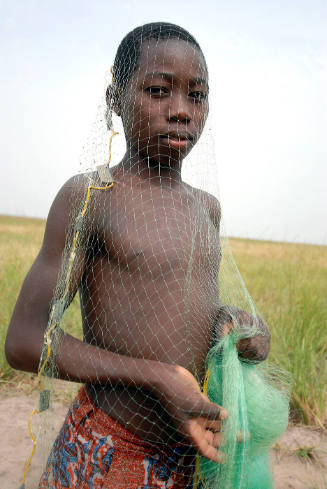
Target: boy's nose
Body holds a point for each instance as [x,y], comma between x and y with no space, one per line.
[179,111]
[180,116]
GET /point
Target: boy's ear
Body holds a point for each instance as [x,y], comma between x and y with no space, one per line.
[113,99]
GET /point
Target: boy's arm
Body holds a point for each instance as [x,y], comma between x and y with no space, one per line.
[31,313]
[192,413]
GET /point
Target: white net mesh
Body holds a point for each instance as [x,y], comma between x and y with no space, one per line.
[142,245]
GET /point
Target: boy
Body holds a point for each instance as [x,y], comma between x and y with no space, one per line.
[145,287]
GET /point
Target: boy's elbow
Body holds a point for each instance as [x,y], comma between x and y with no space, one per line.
[13,352]
[18,356]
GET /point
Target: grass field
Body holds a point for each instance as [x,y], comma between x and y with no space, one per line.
[288,283]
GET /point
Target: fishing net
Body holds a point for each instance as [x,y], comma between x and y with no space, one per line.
[142,243]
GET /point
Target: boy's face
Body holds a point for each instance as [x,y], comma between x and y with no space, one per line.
[165,104]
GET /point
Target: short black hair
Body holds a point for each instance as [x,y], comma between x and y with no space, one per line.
[129,50]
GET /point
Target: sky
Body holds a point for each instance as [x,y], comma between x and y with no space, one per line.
[268,75]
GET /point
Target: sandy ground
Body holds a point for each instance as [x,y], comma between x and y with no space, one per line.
[299,459]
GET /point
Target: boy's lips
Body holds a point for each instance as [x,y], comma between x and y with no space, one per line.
[176,140]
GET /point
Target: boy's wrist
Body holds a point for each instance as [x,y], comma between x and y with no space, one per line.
[157,375]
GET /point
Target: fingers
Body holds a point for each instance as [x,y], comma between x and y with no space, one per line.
[205,441]
[212,424]
[209,410]
[209,437]
[213,439]
[211,452]
[213,411]
[217,439]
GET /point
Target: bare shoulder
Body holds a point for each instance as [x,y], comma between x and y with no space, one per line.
[209,201]
[76,186]
[64,210]
[67,198]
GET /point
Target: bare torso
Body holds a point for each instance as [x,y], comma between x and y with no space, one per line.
[150,289]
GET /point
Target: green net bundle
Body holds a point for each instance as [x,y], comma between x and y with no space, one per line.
[258,416]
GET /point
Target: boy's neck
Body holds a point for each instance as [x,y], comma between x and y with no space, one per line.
[165,175]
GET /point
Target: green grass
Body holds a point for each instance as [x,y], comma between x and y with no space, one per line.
[288,283]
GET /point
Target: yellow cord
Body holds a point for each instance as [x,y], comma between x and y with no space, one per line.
[36,411]
[113,133]
[48,342]
[206,381]
[28,463]
[73,254]
[51,328]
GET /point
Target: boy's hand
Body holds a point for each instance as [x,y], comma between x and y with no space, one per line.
[255,348]
[194,416]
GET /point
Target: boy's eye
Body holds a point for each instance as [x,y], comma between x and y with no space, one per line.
[157,91]
[198,95]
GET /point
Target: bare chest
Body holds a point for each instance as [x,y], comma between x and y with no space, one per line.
[160,233]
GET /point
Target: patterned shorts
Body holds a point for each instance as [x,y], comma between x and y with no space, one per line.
[93,451]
